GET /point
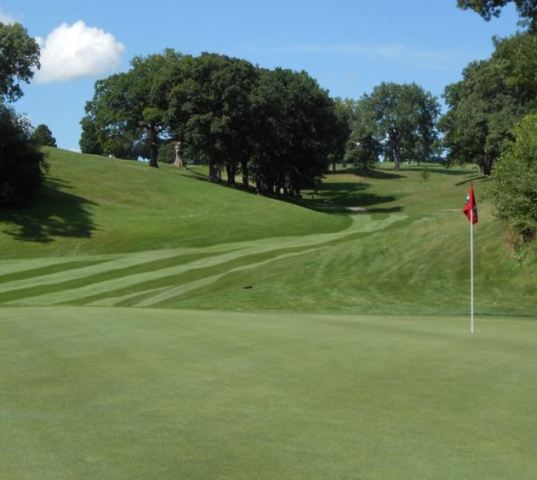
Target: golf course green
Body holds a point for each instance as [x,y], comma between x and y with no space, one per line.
[156,325]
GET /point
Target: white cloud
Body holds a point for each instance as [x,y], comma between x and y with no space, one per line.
[5,17]
[77,50]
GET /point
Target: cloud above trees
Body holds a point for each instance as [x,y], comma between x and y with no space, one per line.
[77,50]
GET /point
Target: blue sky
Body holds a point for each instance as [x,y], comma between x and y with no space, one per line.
[348,46]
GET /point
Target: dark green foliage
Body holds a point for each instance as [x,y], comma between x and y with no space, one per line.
[43,136]
[21,162]
[19,54]
[515,192]
[341,131]
[210,108]
[127,116]
[527,9]
[294,121]
[492,96]
[402,120]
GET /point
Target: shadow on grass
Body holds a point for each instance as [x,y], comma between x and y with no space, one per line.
[336,198]
[54,213]
[374,173]
[343,197]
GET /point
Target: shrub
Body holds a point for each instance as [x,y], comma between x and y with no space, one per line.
[515,189]
[21,162]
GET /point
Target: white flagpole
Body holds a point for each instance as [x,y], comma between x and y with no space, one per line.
[472,271]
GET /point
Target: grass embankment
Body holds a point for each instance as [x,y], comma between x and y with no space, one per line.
[134,394]
[92,204]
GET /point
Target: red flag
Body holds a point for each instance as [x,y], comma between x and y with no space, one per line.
[470,207]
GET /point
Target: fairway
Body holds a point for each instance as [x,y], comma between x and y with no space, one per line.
[129,393]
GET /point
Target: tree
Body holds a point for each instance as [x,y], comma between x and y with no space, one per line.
[293,119]
[341,131]
[492,96]
[527,9]
[43,136]
[403,119]
[19,55]
[21,163]
[515,189]
[211,113]
[127,115]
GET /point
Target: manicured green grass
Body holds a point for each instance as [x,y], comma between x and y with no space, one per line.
[129,393]
[92,204]
[357,363]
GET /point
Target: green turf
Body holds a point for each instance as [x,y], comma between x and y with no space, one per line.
[94,205]
[126,394]
[357,363]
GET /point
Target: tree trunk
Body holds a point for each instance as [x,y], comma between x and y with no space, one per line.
[213,172]
[153,147]
[230,172]
[244,168]
[396,159]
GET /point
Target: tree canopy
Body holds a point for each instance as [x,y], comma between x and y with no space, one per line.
[276,127]
[492,96]
[401,118]
[43,136]
[527,9]
[21,162]
[515,188]
[19,55]
[127,115]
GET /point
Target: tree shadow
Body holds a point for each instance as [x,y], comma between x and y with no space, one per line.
[346,197]
[374,173]
[55,213]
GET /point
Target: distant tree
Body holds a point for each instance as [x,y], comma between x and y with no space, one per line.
[341,131]
[515,189]
[19,55]
[403,117]
[21,162]
[43,136]
[527,9]
[363,147]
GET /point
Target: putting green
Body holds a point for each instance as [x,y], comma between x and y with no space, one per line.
[145,393]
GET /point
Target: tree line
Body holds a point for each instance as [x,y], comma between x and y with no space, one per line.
[491,118]
[276,128]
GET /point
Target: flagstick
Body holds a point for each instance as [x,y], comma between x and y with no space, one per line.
[472,271]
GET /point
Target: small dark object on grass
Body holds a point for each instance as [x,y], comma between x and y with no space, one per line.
[247,287]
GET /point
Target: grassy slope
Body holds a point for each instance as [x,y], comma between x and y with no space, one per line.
[96,205]
[180,242]
[136,394]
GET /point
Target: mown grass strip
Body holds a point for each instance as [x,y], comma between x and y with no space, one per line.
[96,278]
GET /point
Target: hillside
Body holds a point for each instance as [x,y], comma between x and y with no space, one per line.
[92,204]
